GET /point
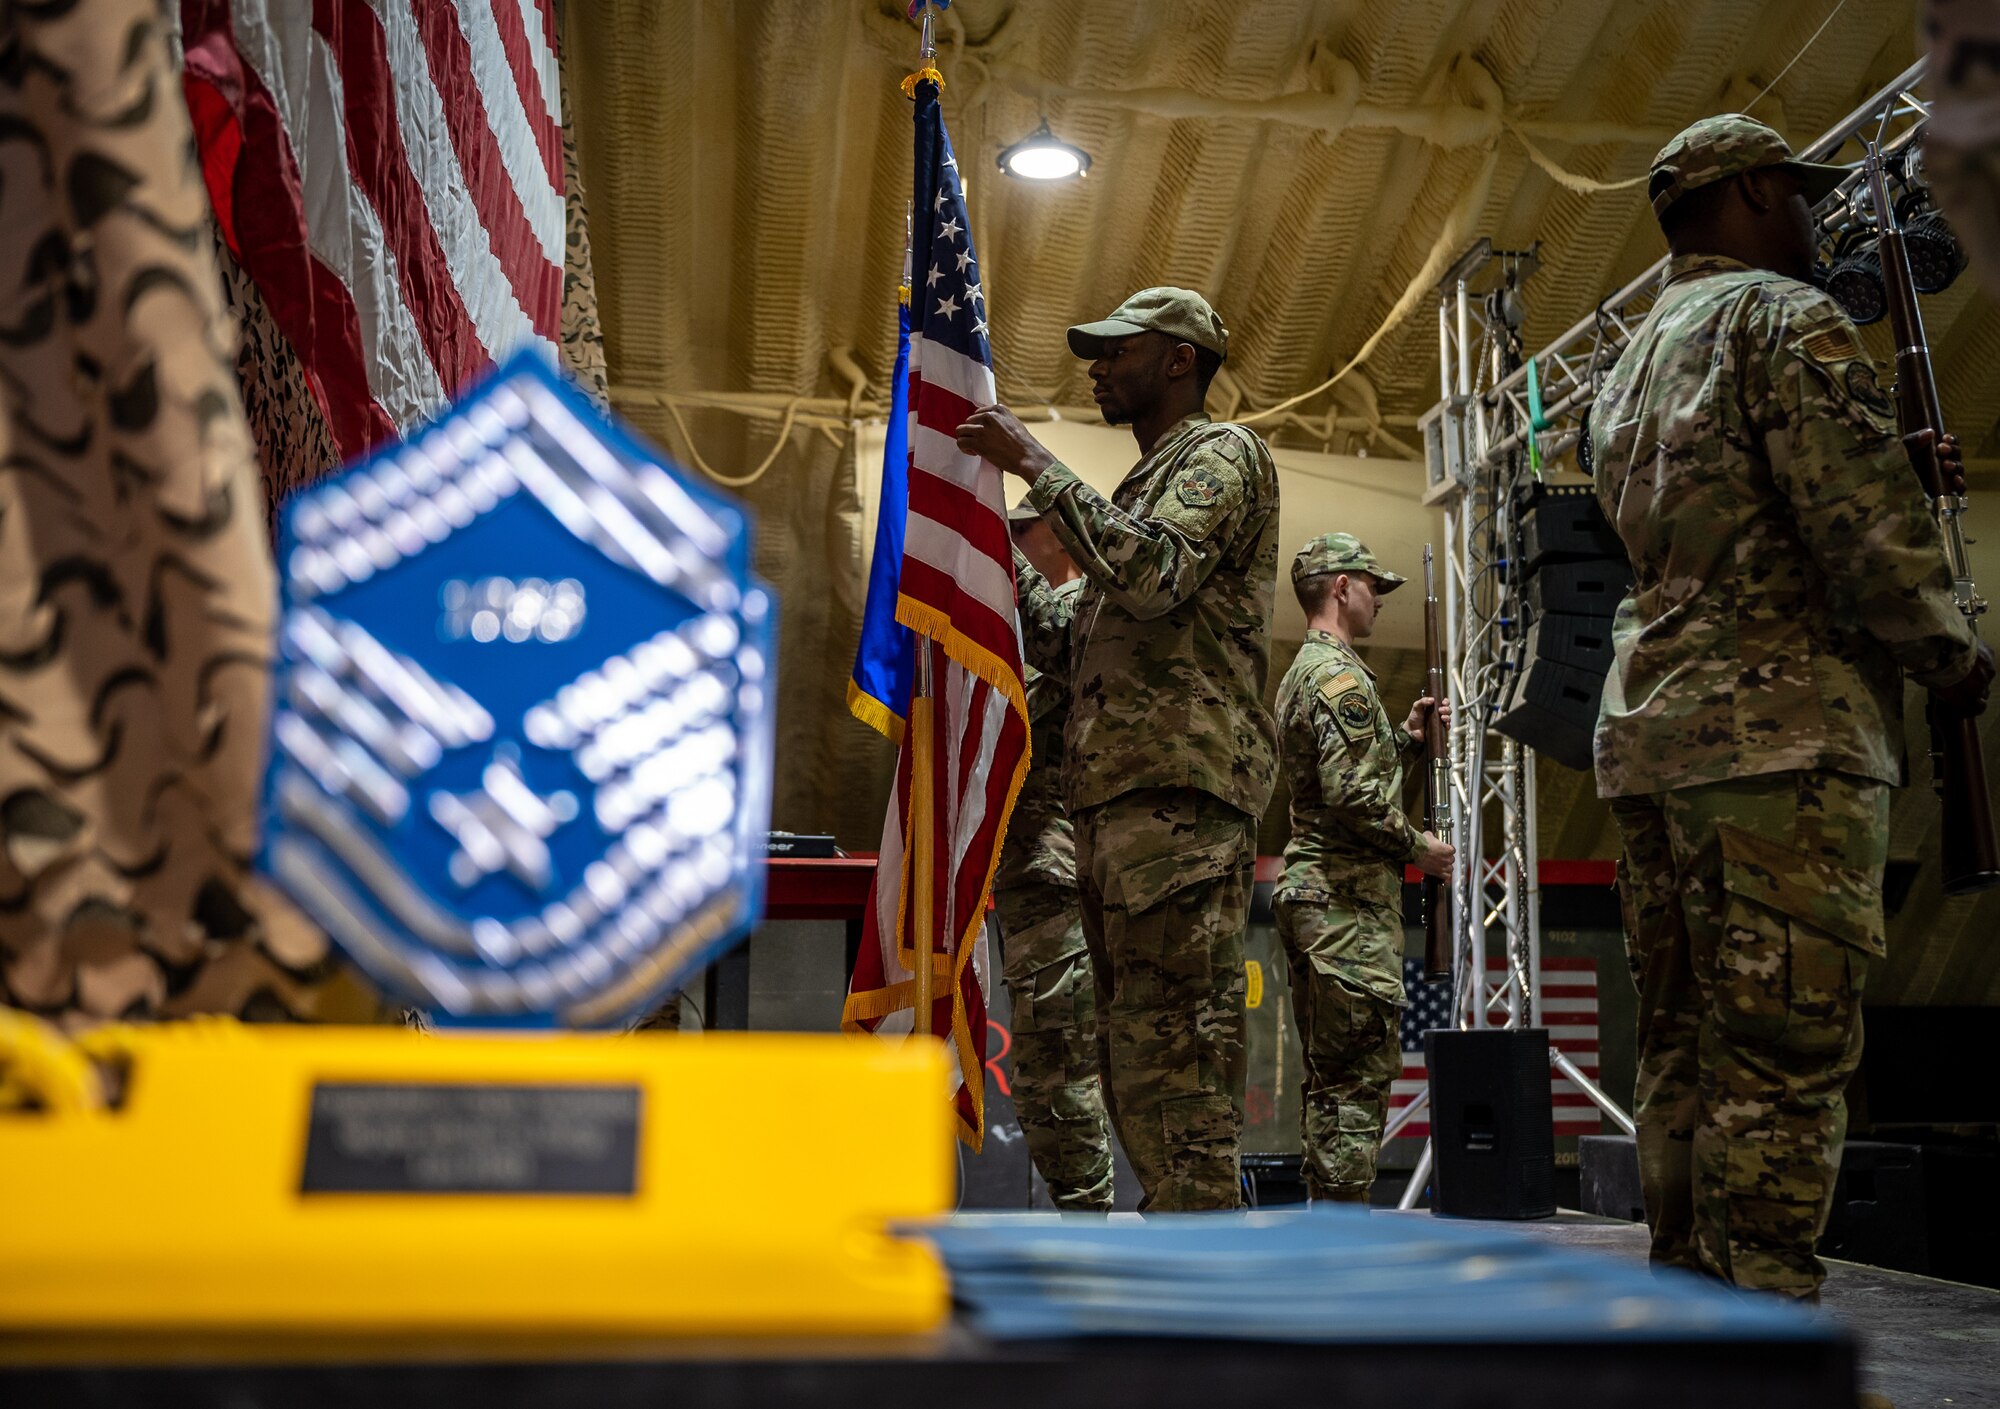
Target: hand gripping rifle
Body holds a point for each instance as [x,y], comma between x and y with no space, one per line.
[1958,765]
[1438,945]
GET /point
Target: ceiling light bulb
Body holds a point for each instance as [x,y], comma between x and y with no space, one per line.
[1042,156]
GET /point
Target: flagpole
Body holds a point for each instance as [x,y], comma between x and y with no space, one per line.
[923,828]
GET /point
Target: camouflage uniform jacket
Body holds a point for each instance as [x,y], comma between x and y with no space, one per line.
[1041,844]
[1170,643]
[1784,563]
[1344,762]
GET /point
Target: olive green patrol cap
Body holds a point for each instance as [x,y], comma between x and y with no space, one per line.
[1717,148]
[1341,552]
[1179,313]
[1023,513]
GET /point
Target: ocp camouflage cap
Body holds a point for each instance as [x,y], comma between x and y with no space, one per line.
[1179,313]
[1726,145]
[1341,552]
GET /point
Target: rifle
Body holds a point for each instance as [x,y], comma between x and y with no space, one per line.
[1439,949]
[1958,764]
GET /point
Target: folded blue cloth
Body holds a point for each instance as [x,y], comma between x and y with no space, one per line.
[1328,1275]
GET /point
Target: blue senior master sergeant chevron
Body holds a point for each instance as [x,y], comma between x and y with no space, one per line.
[521,744]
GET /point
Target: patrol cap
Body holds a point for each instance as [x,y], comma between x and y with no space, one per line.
[1179,313]
[1023,513]
[1726,145]
[1341,552]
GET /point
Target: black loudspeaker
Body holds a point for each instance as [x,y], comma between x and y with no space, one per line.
[1593,587]
[1492,1123]
[1552,708]
[1581,641]
[1562,523]
[1608,1168]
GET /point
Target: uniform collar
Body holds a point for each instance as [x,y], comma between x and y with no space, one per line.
[1172,437]
[1327,638]
[1684,267]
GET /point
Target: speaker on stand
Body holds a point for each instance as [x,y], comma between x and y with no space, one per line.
[1573,574]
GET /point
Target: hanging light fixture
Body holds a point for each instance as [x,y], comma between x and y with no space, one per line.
[1043,156]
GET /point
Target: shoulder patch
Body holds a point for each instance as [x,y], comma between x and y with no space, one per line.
[1862,386]
[1337,684]
[1834,344]
[1353,709]
[1199,487]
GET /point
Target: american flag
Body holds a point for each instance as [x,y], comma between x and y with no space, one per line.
[390,175]
[1566,1006]
[956,595]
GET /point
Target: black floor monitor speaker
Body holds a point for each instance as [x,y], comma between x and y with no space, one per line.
[1492,1123]
[1552,708]
[1563,522]
[1593,587]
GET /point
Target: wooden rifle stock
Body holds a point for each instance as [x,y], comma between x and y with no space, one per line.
[1970,858]
[1439,949]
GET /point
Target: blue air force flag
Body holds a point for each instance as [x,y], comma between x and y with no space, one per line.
[522,730]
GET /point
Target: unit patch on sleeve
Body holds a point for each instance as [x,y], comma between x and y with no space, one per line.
[1862,386]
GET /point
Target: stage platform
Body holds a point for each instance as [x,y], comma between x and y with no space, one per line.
[1923,1342]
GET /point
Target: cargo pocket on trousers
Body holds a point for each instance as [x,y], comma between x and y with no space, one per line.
[1775,1195]
[1797,934]
[1200,1130]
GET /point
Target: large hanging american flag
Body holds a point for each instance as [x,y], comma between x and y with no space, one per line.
[390,175]
[955,593]
[1566,1006]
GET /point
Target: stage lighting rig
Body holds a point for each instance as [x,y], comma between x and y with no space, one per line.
[1853,273]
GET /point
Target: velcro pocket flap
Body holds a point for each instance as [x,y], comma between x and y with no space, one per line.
[1842,901]
[1142,886]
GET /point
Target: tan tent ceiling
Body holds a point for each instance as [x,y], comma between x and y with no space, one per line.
[748,166]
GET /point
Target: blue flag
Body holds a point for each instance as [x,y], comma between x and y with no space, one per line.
[878,693]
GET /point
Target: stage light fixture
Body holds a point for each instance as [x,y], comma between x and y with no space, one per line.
[1043,156]
[1855,281]
[1935,257]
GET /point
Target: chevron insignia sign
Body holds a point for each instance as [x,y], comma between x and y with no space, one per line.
[522,731]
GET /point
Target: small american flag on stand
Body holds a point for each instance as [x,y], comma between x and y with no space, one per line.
[956,595]
[1566,1006]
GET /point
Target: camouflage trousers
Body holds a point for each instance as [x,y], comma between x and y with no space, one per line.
[1164,876]
[1346,960]
[1057,1095]
[1752,911]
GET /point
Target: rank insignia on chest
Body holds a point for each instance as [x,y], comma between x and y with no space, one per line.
[522,722]
[1199,489]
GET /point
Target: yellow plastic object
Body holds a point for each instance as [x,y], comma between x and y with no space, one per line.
[764,1171]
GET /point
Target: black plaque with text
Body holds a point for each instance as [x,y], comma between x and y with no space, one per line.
[407,1138]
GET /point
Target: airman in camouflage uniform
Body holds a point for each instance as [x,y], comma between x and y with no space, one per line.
[1786,575]
[1339,907]
[1169,751]
[1046,964]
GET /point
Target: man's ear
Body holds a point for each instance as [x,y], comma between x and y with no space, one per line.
[1762,188]
[1180,362]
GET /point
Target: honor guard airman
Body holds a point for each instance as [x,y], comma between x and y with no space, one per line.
[1045,961]
[1339,906]
[1786,577]
[1169,750]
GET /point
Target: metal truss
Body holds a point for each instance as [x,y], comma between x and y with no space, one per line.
[1476,450]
